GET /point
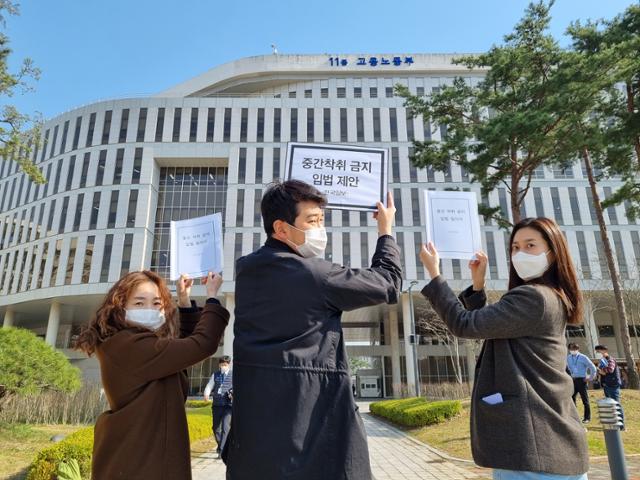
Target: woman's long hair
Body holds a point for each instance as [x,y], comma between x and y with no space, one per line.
[561,275]
[110,317]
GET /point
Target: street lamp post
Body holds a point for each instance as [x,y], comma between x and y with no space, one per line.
[416,364]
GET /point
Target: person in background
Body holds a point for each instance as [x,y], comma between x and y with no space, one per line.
[144,349]
[523,422]
[582,371]
[609,376]
[221,384]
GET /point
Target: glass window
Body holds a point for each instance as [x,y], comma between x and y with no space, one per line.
[342,92]
[137,166]
[131,212]
[90,130]
[294,125]
[53,141]
[360,124]
[585,266]
[160,124]
[257,213]
[242,165]
[376,125]
[76,133]
[346,249]
[106,258]
[259,164]
[244,124]
[373,92]
[73,245]
[193,126]
[44,145]
[343,125]
[395,164]
[117,174]
[63,215]
[177,118]
[56,186]
[240,208]
[604,268]
[124,125]
[575,207]
[227,125]
[619,253]
[277,124]
[85,169]
[388,91]
[113,209]
[70,172]
[415,206]
[420,91]
[88,255]
[126,254]
[635,241]
[611,211]
[557,209]
[142,125]
[491,252]
[65,132]
[592,210]
[78,214]
[327,124]
[357,92]
[95,210]
[310,125]
[393,124]
[410,133]
[106,127]
[276,163]
[292,94]
[260,133]
[211,123]
[308,93]
[56,262]
[102,161]
[324,93]
[397,199]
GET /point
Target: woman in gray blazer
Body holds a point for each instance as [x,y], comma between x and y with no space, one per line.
[524,424]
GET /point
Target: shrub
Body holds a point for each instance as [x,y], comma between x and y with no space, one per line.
[30,366]
[416,411]
[198,403]
[81,407]
[79,446]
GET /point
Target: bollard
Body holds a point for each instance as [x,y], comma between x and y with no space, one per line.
[611,420]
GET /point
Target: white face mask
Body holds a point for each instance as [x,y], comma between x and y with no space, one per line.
[530,266]
[224,370]
[315,242]
[574,352]
[599,355]
[147,317]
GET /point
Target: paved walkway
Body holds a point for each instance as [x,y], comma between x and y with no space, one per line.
[396,456]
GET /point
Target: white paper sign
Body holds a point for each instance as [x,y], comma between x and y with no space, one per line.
[196,246]
[452,223]
[352,178]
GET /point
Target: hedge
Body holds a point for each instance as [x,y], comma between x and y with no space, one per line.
[198,403]
[79,446]
[416,411]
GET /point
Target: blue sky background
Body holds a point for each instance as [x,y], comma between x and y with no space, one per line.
[90,49]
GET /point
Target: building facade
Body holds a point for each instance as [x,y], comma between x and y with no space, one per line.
[119,171]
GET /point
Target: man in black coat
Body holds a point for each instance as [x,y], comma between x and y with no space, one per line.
[294,416]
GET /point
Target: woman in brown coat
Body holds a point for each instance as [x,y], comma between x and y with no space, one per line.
[143,350]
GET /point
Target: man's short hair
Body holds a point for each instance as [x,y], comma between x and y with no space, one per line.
[573,346]
[224,359]
[601,347]
[280,202]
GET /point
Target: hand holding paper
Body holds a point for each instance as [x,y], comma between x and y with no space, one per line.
[212,281]
[183,290]
[430,259]
[478,267]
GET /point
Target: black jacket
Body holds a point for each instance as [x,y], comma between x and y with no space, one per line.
[294,416]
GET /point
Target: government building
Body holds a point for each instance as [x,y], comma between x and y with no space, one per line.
[119,171]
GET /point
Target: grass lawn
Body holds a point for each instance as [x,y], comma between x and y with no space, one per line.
[452,436]
[19,443]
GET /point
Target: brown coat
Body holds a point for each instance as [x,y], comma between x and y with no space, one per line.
[144,435]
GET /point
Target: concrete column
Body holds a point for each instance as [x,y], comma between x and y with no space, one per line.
[394,341]
[408,348]
[230,303]
[471,361]
[53,324]
[9,318]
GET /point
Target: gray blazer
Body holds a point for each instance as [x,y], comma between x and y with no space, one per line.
[537,427]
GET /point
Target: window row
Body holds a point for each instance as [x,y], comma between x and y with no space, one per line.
[76,260]
[65,174]
[71,213]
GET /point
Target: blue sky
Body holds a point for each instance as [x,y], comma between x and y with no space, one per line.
[90,49]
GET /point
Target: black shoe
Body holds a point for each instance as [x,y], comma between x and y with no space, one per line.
[586,420]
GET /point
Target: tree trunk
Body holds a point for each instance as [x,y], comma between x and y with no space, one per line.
[634,381]
[631,110]
[515,186]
